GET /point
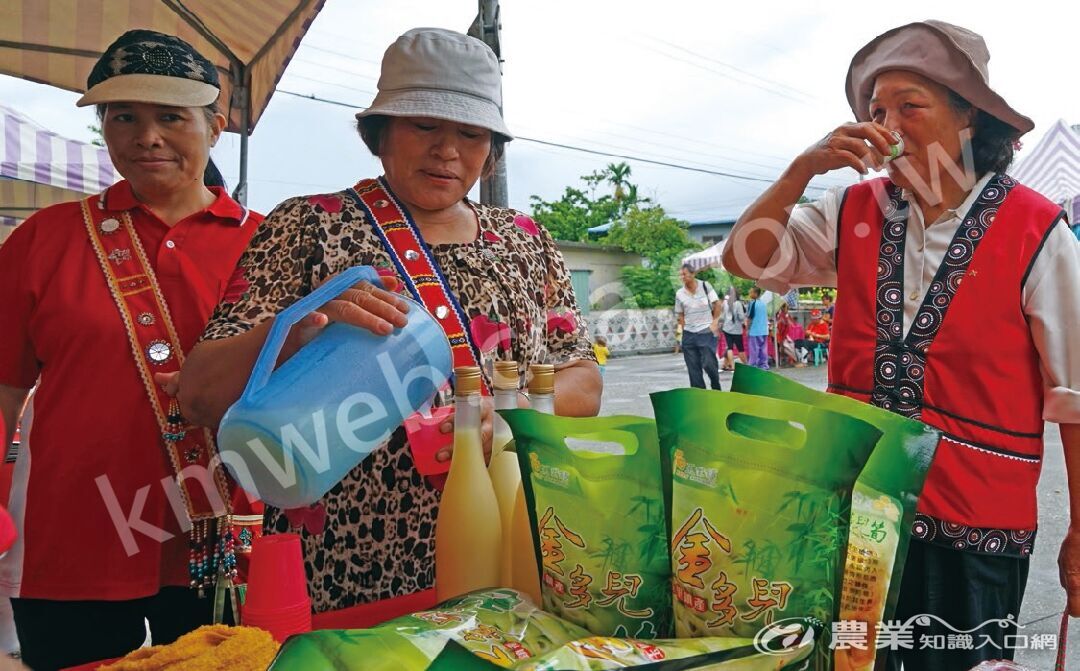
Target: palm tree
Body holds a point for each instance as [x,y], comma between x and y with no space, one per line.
[617,175]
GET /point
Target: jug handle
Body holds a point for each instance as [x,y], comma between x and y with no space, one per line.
[287,318]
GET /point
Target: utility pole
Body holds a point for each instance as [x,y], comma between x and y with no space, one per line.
[486,27]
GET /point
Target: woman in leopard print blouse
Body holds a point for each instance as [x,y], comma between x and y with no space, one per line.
[372,536]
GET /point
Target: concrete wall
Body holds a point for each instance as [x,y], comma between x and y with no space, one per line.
[635,331]
[603,263]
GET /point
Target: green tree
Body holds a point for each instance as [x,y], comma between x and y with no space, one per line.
[662,241]
[99,137]
[579,209]
[617,175]
[742,286]
[572,215]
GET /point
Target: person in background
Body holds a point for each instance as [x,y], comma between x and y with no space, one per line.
[96,297]
[731,329]
[827,307]
[600,349]
[697,308]
[784,322]
[817,336]
[757,330]
[932,257]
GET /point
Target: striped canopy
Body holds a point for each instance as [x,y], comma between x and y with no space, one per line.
[1053,168]
[39,168]
[57,42]
[710,257]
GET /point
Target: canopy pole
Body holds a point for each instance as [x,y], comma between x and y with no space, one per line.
[241,96]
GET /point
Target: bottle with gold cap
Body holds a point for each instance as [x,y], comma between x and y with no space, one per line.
[504,471]
[542,388]
[468,532]
[505,384]
[524,572]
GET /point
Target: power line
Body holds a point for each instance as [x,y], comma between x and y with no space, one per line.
[323,81]
[584,150]
[732,67]
[331,67]
[340,54]
[723,74]
[312,96]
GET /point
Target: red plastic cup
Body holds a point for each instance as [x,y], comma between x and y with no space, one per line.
[276,578]
[425,439]
[280,623]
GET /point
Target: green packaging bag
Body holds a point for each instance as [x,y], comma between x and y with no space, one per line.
[727,654]
[498,629]
[499,626]
[597,499]
[760,507]
[882,509]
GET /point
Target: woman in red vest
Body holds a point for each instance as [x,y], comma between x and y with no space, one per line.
[943,250]
[96,297]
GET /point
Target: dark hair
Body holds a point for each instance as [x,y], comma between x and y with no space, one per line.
[688,268]
[211,175]
[371,129]
[993,142]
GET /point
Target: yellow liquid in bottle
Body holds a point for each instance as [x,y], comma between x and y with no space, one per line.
[506,480]
[468,533]
[505,476]
[525,573]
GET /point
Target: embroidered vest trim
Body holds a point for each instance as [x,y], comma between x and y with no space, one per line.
[155,347]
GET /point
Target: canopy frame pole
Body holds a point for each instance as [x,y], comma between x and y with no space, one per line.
[241,95]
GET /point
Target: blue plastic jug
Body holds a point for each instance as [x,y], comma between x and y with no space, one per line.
[296,431]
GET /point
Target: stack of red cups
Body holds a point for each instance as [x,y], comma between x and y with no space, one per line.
[277,599]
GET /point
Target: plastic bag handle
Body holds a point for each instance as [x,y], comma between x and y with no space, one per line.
[774,410]
[621,429]
[615,436]
[291,315]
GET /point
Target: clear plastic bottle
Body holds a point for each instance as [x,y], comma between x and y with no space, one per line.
[504,471]
[525,572]
[468,532]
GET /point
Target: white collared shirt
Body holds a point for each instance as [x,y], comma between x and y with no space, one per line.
[1050,299]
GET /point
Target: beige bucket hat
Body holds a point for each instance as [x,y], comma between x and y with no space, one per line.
[431,72]
[954,57]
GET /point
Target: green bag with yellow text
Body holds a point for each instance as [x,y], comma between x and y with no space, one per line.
[883,504]
[761,501]
[597,500]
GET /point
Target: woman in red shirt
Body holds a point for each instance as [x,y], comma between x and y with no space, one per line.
[817,334]
[96,298]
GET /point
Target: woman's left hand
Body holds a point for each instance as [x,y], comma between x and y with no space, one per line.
[487,416]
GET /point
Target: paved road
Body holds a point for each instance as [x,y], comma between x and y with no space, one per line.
[629,381]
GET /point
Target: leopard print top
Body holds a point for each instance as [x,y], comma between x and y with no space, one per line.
[377,540]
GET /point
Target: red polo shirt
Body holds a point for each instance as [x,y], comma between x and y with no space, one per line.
[818,331]
[89,434]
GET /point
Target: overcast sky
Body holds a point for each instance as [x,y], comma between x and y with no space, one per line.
[737,87]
